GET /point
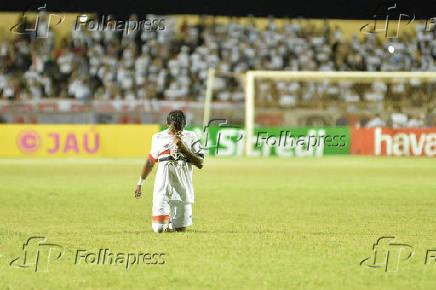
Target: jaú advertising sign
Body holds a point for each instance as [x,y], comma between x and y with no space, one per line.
[76,140]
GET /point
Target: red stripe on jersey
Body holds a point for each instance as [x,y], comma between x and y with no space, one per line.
[164,152]
[151,157]
[161,217]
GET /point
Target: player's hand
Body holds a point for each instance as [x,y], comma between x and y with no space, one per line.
[179,144]
[138,191]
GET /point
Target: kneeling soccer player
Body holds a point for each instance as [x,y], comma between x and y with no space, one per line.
[176,150]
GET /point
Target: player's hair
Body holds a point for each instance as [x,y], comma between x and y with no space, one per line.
[177,120]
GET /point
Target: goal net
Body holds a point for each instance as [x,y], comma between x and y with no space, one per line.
[295,92]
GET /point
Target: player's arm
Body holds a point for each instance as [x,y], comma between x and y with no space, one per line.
[191,157]
[146,169]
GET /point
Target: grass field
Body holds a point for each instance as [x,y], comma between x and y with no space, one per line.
[258,223]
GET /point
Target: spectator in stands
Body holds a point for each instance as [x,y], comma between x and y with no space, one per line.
[430,118]
[375,121]
[415,121]
[399,119]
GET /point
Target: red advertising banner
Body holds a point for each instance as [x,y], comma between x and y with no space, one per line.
[394,142]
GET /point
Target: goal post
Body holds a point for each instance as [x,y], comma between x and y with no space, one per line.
[208,95]
[313,76]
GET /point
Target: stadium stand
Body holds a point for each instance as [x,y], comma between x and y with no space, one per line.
[172,65]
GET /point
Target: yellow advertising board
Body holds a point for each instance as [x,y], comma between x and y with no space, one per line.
[76,140]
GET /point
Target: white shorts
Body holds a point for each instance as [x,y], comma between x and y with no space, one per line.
[179,212]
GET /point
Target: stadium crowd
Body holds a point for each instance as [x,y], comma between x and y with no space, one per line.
[172,64]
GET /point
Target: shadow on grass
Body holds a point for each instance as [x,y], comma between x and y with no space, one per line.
[150,232]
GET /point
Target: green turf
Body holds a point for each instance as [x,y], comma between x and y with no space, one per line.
[258,223]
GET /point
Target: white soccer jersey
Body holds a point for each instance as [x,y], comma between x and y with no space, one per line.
[174,175]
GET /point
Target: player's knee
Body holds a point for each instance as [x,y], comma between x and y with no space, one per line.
[159,228]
